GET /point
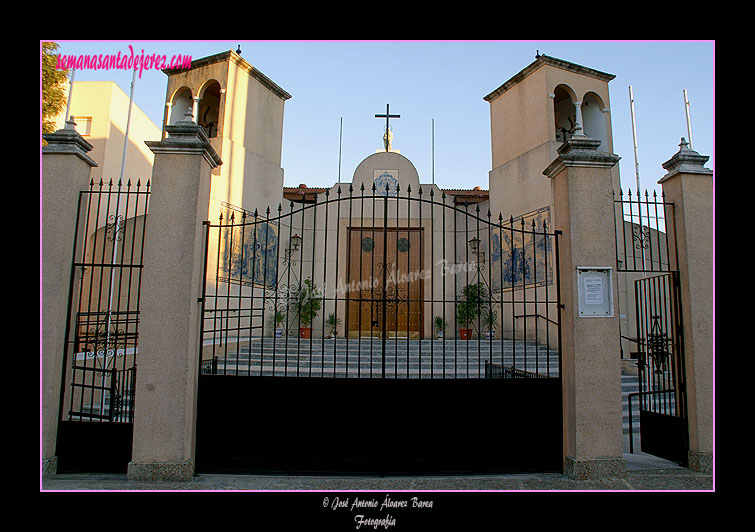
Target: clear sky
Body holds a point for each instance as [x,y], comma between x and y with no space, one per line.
[445,81]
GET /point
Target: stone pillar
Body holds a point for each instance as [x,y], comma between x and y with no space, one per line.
[166,119]
[689,186]
[166,384]
[195,108]
[591,372]
[66,170]
[578,125]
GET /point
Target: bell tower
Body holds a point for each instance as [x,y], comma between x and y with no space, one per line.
[531,115]
[241,111]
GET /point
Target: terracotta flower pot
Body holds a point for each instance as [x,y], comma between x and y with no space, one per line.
[305,332]
[465,334]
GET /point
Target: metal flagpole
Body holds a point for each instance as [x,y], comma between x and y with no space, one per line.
[637,175]
[116,220]
[689,124]
[128,124]
[340,144]
[70,92]
[433,130]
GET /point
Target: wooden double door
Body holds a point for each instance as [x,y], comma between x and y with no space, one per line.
[385,280]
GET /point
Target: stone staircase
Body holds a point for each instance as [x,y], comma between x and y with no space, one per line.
[410,358]
[100,410]
[660,402]
[630,384]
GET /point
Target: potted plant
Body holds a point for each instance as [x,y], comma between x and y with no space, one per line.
[307,305]
[333,322]
[440,326]
[468,308]
[276,319]
[490,321]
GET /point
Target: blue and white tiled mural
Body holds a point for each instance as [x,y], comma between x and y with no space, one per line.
[522,258]
[249,252]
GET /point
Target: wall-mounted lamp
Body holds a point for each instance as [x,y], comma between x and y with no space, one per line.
[294,243]
[474,245]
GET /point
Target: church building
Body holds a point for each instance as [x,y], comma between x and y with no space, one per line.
[242,113]
[384,286]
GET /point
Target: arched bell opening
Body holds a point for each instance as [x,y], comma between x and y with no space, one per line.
[208,115]
[565,120]
[181,102]
[595,119]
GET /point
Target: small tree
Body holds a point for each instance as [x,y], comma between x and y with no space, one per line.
[53,87]
[276,319]
[307,302]
[440,326]
[471,304]
[333,322]
[489,319]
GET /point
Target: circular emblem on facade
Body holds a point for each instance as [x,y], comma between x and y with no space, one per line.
[368,244]
[403,244]
[383,181]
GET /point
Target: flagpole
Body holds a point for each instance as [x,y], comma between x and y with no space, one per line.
[340,145]
[637,175]
[634,140]
[128,123]
[689,124]
[433,150]
[70,92]
[116,220]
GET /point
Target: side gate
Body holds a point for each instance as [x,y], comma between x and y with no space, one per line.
[95,425]
[662,393]
[332,338]
[646,254]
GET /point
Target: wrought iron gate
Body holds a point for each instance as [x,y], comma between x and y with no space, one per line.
[95,425]
[663,398]
[290,380]
[647,254]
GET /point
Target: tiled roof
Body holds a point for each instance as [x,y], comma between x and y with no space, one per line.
[307,194]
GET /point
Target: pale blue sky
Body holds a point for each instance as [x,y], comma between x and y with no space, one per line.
[445,81]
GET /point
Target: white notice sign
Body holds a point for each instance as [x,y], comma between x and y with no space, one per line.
[593,290]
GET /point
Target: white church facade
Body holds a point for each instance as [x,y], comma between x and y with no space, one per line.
[563,99]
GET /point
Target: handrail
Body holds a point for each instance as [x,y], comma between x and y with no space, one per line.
[537,315]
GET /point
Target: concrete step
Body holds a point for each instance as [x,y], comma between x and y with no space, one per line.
[392,344]
[363,369]
[629,384]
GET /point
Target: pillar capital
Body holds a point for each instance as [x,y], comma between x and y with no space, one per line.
[685,161]
[580,151]
[68,140]
[187,137]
